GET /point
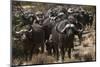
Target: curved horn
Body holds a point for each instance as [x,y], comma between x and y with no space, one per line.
[31,30]
[23,30]
[18,32]
[63,23]
[67,25]
[58,30]
[62,31]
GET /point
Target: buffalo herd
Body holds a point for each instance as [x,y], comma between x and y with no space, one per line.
[53,31]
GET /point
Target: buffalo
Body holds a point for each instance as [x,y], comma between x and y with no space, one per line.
[32,38]
[63,37]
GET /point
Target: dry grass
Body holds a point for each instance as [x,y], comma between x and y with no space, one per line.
[42,59]
[86,52]
[36,59]
[89,40]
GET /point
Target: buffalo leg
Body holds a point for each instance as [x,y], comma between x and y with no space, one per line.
[30,55]
[62,53]
[26,54]
[42,48]
[54,51]
[80,38]
[69,52]
[57,52]
[50,51]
